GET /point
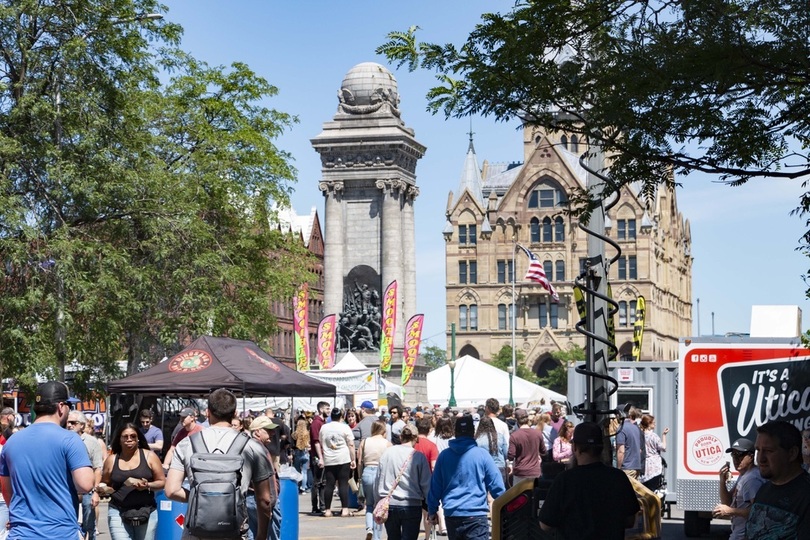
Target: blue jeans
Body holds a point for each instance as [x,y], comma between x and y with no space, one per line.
[301,464]
[88,517]
[369,479]
[123,531]
[467,528]
[273,528]
[404,522]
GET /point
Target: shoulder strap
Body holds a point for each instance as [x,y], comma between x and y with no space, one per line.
[238,444]
[198,445]
[400,473]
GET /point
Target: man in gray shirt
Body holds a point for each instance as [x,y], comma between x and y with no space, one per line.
[735,504]
[630,446]
[76,422]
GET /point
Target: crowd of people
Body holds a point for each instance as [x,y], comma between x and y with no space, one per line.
[419,470]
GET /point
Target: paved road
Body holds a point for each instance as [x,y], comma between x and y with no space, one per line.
[321,528]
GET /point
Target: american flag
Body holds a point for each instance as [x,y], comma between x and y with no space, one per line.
[537,274]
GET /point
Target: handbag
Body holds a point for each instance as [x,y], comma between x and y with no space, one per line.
[354,485]
[380,512]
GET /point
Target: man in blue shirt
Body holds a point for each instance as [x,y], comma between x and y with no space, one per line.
[154,436]
[630,446]
[43,468]
[461,478]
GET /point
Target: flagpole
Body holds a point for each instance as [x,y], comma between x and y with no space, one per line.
[514,316]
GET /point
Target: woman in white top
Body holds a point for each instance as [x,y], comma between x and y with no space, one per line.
[337,444]
[368,460]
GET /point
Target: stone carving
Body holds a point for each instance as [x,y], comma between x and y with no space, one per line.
[379,97]
[360,323]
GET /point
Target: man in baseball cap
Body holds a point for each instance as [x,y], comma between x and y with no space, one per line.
[606,503]
[40,466]
[188,426]
[735,503]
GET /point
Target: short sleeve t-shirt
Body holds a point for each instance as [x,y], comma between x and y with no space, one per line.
[780,512]
[256,468]
[183,433]
[630,437]
[429,448]
[40,460]
[93,450]
[334,438]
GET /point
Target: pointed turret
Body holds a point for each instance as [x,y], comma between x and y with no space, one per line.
[470,177]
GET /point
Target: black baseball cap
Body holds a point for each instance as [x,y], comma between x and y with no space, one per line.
[53,392]
[465,426]
[588,433]
[741,445]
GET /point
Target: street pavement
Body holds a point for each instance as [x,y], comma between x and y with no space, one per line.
[322,528]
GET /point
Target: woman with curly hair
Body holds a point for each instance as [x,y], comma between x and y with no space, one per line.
[301,448]
[443,433]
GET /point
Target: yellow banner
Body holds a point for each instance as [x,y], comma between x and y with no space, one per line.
[638,327]
[301,328]
[413,339]
[389,323]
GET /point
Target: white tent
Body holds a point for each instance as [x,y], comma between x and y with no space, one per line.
[477,381]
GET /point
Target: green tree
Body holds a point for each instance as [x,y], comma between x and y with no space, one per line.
[135,193]
[434,356]
[557,378]
[504,359]
[662,87]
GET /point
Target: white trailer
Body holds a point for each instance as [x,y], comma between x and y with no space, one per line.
[727,387]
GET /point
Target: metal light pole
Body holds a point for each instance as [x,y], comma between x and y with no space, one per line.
[452,364]
[511,372]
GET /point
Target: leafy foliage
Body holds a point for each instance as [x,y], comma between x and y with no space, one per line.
[557,378]
[434,356]
[663,87]
[135,193]
[504,359]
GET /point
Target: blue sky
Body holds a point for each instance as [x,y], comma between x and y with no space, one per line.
[744,239]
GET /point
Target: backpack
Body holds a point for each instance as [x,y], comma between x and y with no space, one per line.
[216,504]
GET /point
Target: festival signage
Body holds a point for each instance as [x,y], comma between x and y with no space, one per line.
[413,339]
[301,328]
[389,323]
[326,341]
[638,328]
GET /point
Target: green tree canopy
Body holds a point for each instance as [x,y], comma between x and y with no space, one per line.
[434,356]
[504,359]
[135,192]
[557,378]
[663,87]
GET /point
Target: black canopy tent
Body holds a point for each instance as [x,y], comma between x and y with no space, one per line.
[215,362]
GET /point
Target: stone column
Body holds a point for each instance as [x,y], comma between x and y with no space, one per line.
[409,253]
[333,247]
[392,269]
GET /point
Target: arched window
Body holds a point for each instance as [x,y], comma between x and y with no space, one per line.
[546,229]
[559,270]
[468,317]
[564,142]
[622,313]
[559,229]
[534,226]
[574,144]
[469,350]
[462,317]
[504,316]
[547,194]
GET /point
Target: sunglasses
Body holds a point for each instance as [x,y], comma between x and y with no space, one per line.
[72,422]
[738,455]
[127,437]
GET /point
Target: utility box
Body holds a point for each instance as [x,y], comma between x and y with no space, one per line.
[776,321]
[651,387]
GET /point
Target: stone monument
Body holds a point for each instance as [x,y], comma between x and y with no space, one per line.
[368,166]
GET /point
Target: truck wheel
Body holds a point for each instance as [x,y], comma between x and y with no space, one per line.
[694,524]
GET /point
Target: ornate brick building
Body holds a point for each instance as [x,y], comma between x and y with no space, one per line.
[498,205]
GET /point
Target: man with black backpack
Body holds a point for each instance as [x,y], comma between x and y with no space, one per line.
[220,464]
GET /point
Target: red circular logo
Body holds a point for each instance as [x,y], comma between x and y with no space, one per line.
[707,449]
[190,361]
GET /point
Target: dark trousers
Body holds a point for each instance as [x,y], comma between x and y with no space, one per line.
[337,474]
[467,528]
[318,479]
[404,522]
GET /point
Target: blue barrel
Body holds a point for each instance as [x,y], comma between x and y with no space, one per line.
[171,515]
[289,509]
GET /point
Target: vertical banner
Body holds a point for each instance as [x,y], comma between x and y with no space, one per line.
[326,341]
[301,328]
[413,339]
[389,323]
[638,328]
